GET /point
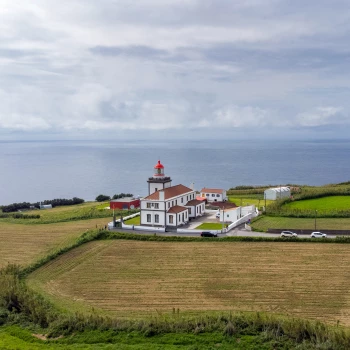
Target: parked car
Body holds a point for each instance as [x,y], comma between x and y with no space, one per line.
[318,235]
[208,234]
[288,234]
[218,215]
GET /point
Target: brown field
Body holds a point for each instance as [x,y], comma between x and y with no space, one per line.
[23,244]
[132,278]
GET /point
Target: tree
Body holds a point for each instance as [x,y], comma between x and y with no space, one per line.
[102,198]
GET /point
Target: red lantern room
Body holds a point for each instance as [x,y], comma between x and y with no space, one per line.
[159,169]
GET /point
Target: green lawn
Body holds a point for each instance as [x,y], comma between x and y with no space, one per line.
[209,226]
[263,223]
[133,221]
[325,203]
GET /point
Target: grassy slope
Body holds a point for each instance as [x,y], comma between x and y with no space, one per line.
[266,222]
[14,337]
[135,279]
[65,213]
[133,221]
[325,203]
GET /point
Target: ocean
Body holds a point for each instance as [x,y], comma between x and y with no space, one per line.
[35,171]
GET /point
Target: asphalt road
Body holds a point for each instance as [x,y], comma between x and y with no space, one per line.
[234,233]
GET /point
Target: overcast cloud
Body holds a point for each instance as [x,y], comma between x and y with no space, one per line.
[174,68]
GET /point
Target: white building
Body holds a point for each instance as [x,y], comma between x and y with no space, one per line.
[168,205]
[234,214]
[277,193]
[214,194]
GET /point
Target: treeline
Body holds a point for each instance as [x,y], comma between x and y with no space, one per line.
[54,202]
[19,216]
[103,197]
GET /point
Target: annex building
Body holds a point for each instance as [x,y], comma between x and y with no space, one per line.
[167,205]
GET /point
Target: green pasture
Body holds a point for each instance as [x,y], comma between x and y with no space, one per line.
[322,204]
[209,226]
[257,200]
[263,223]
[88,210]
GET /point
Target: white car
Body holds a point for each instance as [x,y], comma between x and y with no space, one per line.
[318,235]
[218,215]
[288,234]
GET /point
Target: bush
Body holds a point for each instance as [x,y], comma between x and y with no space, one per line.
[102,198]
[122,195]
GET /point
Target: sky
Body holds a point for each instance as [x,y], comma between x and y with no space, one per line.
[165,69]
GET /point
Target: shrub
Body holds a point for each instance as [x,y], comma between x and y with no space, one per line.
[102,198]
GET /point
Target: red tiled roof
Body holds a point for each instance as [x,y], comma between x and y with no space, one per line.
[176,209]
[193,202]
[223,205]
[170,192]
[212,190]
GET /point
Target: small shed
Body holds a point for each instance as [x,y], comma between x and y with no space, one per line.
[277,193]
[125,203]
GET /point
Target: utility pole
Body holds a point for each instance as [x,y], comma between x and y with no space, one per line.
[223,218]
[265,202]
[315,219]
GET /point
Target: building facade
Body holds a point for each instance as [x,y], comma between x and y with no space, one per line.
[166,205]
[214,194]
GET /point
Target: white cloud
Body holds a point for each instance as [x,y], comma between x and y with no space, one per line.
[322,116]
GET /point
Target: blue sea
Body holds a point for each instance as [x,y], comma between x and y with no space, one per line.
[35,171]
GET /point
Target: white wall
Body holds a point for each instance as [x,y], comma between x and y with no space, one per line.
[144,214]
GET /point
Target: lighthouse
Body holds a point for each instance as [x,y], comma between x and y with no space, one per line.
[158,181]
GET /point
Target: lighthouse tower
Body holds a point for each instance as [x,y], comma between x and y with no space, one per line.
[158,181]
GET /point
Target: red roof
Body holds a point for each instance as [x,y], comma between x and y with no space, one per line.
[159,165]
[170,192]
[176,209]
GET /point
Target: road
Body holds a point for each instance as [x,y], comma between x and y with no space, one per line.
[238,232]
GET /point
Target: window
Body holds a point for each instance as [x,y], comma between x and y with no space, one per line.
[168,205]
[148,217]
[217,195]
[183,217]
[156,218]
[171,219]
[148,205]
[179,217]
[182,199]
[156,205]
[186,215]
[207,194]
[172,203]
[156,189]
[227,215]
[187,198]
[189,210]
[213,195]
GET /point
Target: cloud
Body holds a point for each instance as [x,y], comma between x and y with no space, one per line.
[321,116]
[177,66]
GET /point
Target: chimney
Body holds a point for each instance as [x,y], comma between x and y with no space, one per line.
[161,195]
[192,186]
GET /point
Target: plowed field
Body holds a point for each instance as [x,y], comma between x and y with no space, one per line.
[131,278]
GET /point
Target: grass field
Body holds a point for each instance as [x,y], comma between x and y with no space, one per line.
[88,210]
[209,226]
[257,200]
[134,279]
[23,244]
[265,222]
[325,203]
